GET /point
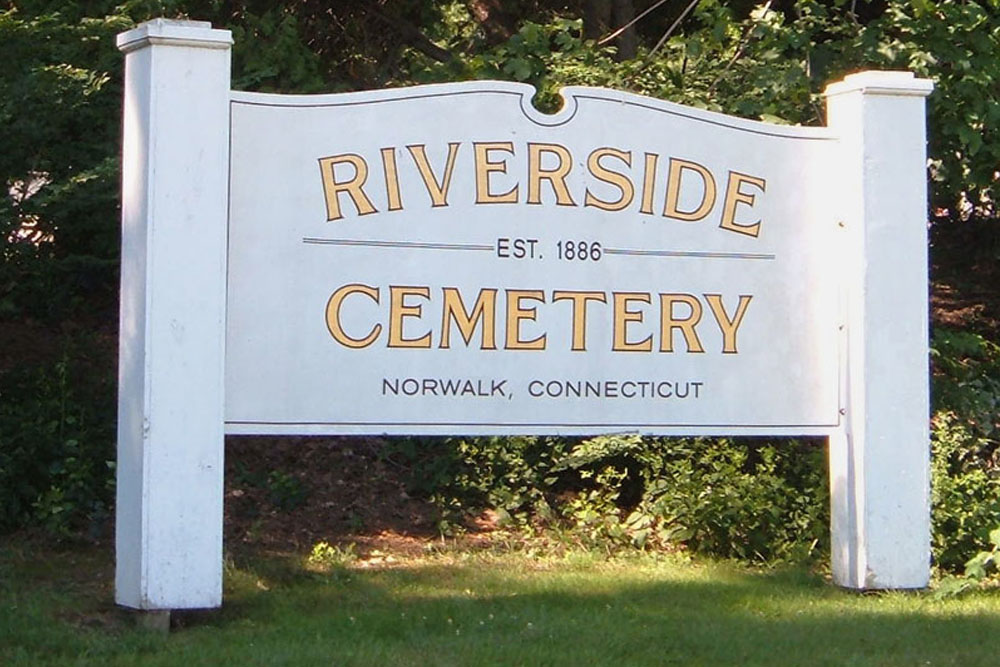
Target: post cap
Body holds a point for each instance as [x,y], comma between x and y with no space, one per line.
[174,32]
[881,83]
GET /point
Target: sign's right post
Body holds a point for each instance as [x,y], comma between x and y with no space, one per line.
[880,457]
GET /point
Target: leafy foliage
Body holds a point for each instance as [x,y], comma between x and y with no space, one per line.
[325,556]
[285,491]
[749,499]
[59,98]
[965,491]
[57,444]
[60,110]
[772,65]
[957,44]
[965,465]
[967,379]
[58,106]
[985,561]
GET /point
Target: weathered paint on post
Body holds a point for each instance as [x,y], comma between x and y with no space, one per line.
[168,531]
[880,458]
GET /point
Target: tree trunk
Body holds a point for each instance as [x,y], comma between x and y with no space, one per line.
[497,24]
[623,11]
[596,18]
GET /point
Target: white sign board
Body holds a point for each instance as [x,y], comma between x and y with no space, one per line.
[446,259]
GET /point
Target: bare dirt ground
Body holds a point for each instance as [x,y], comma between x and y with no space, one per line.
[965,278]
[289,493]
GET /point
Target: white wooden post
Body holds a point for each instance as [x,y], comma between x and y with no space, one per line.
[168,531]
[879,460]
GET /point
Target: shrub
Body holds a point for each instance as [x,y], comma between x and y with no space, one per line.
[57,424]
[965,468]
[746,498]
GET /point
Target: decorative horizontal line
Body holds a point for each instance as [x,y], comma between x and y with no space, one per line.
[296,100]
[420,245]
[405,95]
[686,253]
[623,425]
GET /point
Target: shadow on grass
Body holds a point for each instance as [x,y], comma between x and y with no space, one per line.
[515,610]
[490,613]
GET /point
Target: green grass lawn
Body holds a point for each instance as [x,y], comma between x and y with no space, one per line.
[491,609]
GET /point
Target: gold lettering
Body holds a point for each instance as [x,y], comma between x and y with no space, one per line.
[399,310]
[676,173]
[614,178]
[353,187]
[484,309]
[437,191]
[728,326]
[485,167]
[579,300]
[556,177]
[333,316]
[516,314]
[649,183]
[623,316]
[686,324]
[391,179]
[734,196]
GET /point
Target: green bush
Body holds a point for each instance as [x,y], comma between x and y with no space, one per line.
[750,499]
[965,466]
[57,425]
[60,107]
[966,492]
[746,498]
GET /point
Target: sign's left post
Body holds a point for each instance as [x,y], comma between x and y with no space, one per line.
[175,162]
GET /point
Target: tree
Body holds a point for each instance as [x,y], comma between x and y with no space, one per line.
[60,97]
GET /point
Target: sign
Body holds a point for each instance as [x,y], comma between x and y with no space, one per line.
[449,260]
